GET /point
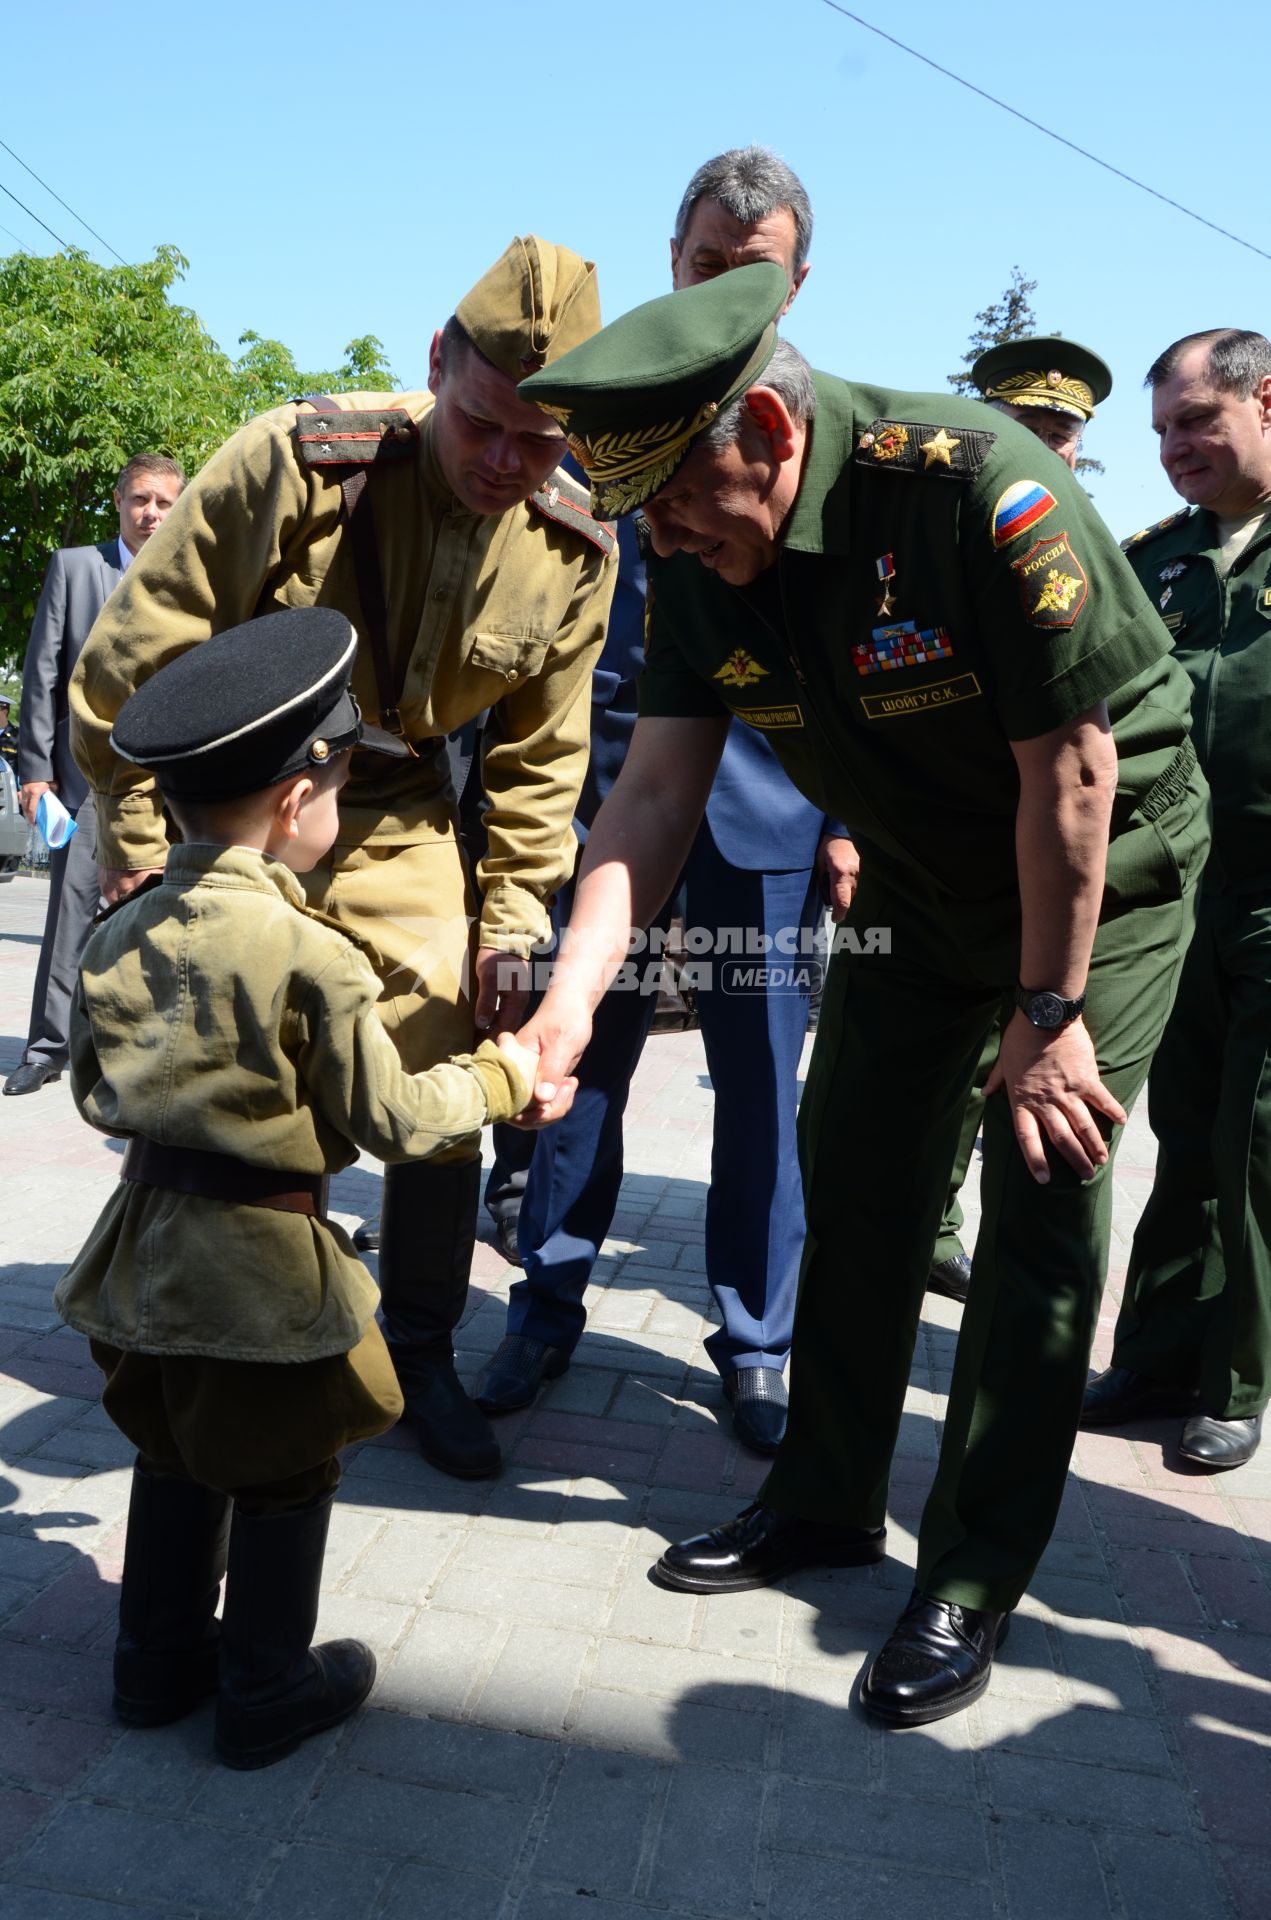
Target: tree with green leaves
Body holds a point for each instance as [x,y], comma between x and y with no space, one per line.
[96,364]
[1009,318]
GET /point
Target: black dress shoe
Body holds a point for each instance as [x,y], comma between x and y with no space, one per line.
[1117,1396]
[453,1433]
[1220,1443]
[759,1400]
[366,1238]
[31,1076]
[516,1372]
[937,1661]
[758,1547]
[951,1277]
[505,1234]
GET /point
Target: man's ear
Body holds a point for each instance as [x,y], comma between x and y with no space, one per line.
[795,284]
[770,414]
[434,362]
[675,261]
[1262,394]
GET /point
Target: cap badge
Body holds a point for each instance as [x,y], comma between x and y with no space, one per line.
[320,750]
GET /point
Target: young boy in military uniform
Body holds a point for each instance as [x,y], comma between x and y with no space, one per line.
[232,1038]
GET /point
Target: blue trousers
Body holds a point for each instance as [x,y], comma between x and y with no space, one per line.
[754,1209]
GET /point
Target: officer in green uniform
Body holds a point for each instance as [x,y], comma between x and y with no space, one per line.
[1051,386]
[936,640]
[477,580]
[1194,1332]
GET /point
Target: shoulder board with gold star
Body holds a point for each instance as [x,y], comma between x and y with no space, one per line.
[916,446]
[332,437]
[1149,533]
[338,926]
[565,502]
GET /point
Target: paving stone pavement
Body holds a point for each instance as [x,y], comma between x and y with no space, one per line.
[551,1735]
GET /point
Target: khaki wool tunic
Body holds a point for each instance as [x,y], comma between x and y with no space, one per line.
[504,611]
[214,1012]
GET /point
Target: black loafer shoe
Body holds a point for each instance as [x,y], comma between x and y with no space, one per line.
[31,1076]
[951,1277]
[758,1547]
[1220,1443]
[758,1398]
[505,1234]
[937,1661]
[453,1433]
[1117,1396]
[366,1238]
[516,1372]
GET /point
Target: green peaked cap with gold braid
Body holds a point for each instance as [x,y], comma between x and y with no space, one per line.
[1044,370]
[635,397]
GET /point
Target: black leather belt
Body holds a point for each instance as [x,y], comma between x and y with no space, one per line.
[219,1176]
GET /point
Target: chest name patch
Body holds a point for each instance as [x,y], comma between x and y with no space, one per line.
[1052,583]
[1020,508]
[740,670]
[906,701]
[770,718]
[901,645]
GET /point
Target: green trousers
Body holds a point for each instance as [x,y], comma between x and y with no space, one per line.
[899,1039]
[949,1236]
[1197,1306]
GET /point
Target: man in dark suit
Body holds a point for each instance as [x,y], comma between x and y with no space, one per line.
[77,585]
[753,868]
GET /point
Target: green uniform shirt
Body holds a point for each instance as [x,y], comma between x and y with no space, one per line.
[214,1012]
[1010,611]
[1222,635]
[506,611]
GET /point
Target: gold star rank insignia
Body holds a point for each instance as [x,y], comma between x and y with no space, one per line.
[739,670]
[939,448]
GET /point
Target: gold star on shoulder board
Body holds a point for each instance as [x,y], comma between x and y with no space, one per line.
[938,448]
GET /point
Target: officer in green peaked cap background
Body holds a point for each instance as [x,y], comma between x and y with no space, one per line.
[476,579]
[935,630]
[1050,385]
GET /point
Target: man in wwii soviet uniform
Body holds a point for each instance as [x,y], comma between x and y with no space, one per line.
[754,867]
[481,581]
[1051,386]
[1194,1332]
[945,641]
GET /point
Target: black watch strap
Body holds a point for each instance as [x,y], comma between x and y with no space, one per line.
[1048,1010]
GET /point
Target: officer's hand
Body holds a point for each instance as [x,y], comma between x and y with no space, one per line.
[838,864]
[116,884]
[558,1033]
[503,990]
[29,796]
[1052,1082]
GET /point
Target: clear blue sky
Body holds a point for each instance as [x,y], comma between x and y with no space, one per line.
[331,171]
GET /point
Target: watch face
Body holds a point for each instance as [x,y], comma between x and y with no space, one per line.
[1047,1010]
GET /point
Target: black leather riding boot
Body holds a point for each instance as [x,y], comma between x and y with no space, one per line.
[275,1687]
[174,1560]
[428,1229]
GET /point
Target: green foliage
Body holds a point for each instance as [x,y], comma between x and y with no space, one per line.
[1009,318]
[96,364]
[268,373]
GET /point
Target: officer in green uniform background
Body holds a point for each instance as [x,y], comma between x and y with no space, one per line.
[476,579]
[1194,1332]
[936,632]
[1051,386]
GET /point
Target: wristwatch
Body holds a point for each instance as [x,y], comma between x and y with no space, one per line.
[1047,1010]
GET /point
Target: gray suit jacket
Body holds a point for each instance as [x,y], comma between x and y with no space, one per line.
[77,585]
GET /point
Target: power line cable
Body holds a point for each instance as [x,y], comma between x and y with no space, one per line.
[62,203]
[35,217]
[1048,131]
[12,235]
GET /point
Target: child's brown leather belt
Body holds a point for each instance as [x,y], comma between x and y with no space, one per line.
[219,1176]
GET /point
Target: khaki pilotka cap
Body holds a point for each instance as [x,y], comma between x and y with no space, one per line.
[634,399]
[535,303]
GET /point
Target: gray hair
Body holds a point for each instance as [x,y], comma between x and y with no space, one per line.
[750,183]
[789,375]
[1237,363]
